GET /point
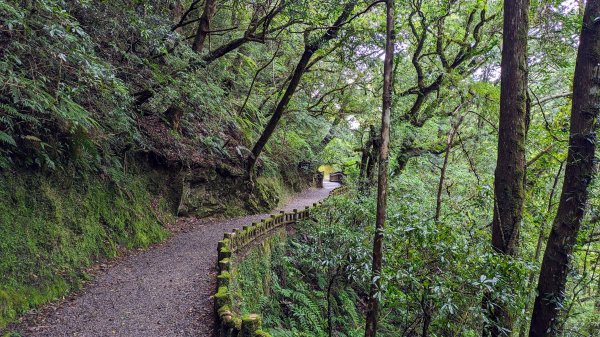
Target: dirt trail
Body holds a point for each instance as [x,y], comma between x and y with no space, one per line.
[165,291]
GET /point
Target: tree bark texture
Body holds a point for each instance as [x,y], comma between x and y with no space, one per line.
[373,158]
[382,185]
[364,160]
[204,25]
[509,181]
[538,253]
[579,172]
[177,9]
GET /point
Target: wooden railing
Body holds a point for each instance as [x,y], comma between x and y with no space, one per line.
[230,323]
[339,190]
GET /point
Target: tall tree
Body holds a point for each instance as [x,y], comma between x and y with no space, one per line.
[382,185]
[310,48]
[509,182]
[204,25]
[437,55]
[579,172]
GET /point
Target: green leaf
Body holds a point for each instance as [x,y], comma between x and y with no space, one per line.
[7,139]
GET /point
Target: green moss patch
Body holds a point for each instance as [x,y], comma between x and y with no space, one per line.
[52,228]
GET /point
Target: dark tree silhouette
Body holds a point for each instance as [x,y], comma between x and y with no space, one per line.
[578,175]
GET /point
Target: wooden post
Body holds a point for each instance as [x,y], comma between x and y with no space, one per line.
[224,265]
[250,325]
[260,227]
[319,177]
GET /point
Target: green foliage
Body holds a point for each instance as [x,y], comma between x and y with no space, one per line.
[58,96]
[252,276]
[53,228]
[88,85]
[85,84]
[339,152]
[288,282]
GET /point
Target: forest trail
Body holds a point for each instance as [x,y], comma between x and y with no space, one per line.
[164,291]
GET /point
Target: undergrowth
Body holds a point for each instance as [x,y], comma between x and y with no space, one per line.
[308,283]
[52,228]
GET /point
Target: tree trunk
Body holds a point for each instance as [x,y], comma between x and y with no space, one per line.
[449,142]
[402,156]
[250,35]
[373,302]
[177,8]
[370,155]
[373,158]
[225,49]
[538,252]
[204,25]
[331,133]
[578,174]
[426,324]
[509,182]
[364,160]
[309,49]
[597,303]
[279,109]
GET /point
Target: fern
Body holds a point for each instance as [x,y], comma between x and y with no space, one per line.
[7,139]
[308,313]
[348,306]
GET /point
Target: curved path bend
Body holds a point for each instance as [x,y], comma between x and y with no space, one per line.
[164,291]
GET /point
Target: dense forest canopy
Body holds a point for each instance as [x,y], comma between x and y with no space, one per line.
[486,99]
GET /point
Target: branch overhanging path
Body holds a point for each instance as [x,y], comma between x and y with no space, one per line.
[164,291]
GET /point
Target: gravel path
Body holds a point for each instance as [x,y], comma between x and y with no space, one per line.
[164,291]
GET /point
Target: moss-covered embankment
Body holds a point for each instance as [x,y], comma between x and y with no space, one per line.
[55,226]
[52,227]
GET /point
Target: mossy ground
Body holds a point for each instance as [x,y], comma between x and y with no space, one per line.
[53,227]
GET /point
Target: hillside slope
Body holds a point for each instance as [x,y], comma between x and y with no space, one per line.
[107,133]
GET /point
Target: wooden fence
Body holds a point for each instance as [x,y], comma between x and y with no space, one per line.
[230,323]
